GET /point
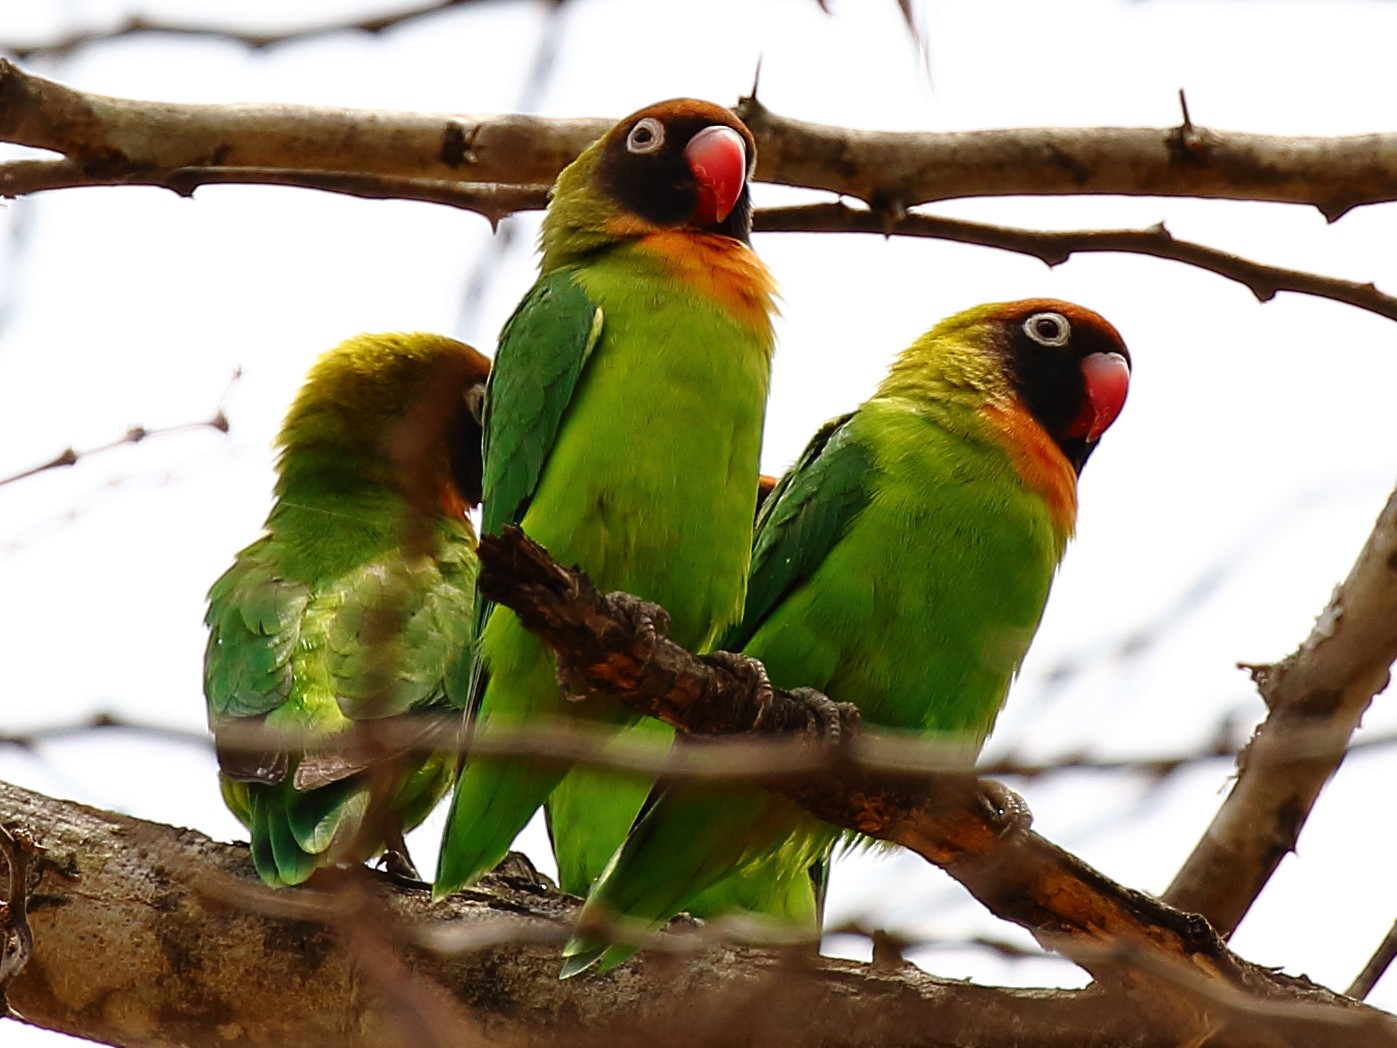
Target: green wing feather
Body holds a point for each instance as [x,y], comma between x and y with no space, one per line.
[543,350]
[306,658]
[254,621]
[802,519]
[710,849]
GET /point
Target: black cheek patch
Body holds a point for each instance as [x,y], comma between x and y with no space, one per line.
[1048,381]
[659,187]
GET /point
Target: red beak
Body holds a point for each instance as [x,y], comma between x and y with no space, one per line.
[1107,380]
[718,158]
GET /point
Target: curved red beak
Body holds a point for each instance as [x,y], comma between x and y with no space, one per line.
[1107,380]
[718,158]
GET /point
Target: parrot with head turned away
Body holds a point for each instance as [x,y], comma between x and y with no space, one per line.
[623,426]
[902,565]
[353,607]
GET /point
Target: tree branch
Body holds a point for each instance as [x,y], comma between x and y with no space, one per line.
[16,938]
[1056,246]
[1321,690]
[1171,964]
[150,934]
[892,171]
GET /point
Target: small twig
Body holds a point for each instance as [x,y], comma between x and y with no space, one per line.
[137,25]
[134,435]
[16,937]
[1377,964]
[721,760]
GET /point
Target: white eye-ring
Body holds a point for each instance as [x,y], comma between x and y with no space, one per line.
[1048,329]
[647,136]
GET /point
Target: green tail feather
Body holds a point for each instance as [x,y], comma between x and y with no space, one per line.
[493,801]
[291,864]
[592,809]
[694,850]
[316,818]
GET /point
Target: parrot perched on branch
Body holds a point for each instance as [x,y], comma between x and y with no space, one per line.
[902,565]
[623,426]
[355,605]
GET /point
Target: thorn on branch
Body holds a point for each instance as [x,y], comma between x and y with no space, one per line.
[1186,143]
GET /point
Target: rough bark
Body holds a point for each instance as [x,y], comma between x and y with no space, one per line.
[1317,697]
[115,140]
[151,935]
[1170,965]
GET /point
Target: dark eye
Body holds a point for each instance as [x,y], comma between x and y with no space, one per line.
[1048,329]
[647,136]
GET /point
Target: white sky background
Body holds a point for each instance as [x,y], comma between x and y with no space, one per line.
[1256,449]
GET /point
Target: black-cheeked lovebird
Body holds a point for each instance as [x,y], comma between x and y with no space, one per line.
[353,607]
[623,427]
[902,565]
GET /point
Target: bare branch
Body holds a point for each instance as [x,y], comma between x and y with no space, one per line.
[134,435]
[117,889]
[1056,246]
[892,171]
[494,202]
[976,831]
[1377,965]
[114,135]
[1322,689]
[137,25]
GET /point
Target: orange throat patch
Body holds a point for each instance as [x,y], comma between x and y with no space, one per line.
[1040,463]
[719,268]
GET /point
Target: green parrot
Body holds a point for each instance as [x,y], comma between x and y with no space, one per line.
[903,565]
[355,603]
[623,426]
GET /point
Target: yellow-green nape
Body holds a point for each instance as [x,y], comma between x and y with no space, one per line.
[369,379]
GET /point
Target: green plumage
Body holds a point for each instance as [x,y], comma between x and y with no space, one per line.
[622,431]
[902,564]
[355,603]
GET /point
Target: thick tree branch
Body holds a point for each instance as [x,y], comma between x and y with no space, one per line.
[1172,964]
[150,934]
[1321,691]
[891,171]
[497,166]
[22,858]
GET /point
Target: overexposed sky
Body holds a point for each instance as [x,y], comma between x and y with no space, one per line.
[1258,445]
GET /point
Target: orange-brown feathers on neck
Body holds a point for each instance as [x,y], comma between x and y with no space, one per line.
[1040,463]
[718,267]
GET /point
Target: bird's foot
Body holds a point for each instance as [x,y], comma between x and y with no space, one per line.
[648,621]
[753,674]
[1007,808]
[399,866]
[827,716]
